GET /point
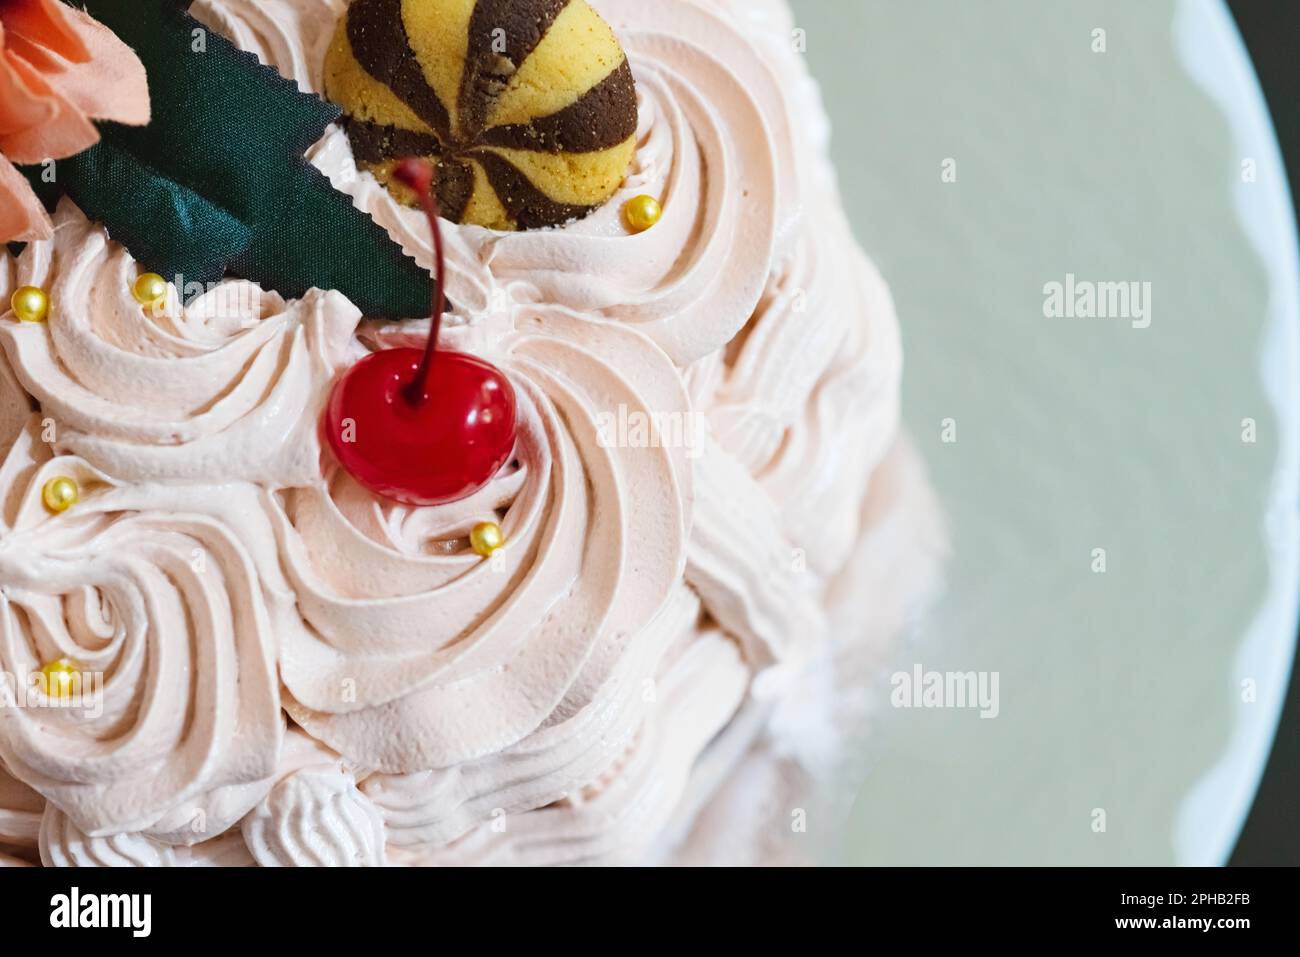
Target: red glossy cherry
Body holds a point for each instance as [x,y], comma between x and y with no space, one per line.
[420,426]
[441,448]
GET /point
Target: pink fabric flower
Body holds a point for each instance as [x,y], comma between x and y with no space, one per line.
[59,69]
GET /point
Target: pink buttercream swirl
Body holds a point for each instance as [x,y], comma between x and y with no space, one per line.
[465,656]
[571,681]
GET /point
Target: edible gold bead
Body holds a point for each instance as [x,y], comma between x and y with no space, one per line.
[486,537]
[59,677]
[30,304]
[150,289]
[60,494]
[642,212]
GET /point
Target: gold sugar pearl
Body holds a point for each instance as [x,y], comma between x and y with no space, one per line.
[60,494]
[486,537]
[59,678]
[30,304]
[150,289]
[642,212]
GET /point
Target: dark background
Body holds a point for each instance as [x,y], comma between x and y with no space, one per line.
[1271,29]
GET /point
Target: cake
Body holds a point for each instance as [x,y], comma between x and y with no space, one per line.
[711,529]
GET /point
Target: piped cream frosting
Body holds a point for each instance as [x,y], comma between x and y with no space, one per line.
[548,705]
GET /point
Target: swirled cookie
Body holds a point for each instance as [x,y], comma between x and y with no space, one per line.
[527,107]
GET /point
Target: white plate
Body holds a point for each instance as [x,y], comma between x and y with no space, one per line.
[1149,692]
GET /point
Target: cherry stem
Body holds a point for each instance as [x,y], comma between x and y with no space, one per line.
[418,174]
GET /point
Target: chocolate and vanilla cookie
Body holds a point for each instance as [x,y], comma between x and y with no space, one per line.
[527,107]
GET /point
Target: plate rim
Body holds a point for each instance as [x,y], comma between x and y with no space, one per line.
[1211,815]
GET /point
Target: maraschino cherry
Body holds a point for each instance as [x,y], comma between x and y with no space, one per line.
[422,426]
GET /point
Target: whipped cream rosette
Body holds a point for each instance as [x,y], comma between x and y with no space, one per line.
[227,388]
[569,773]
[416,659]
[63,844]
[712,143]
[707,149]
[346,829]
[311,815]
[167,606]
[616,816]
[314,816]
[819,471]
[821,354]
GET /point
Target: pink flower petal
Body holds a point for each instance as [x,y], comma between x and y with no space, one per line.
[59,69]
[22,217]
[47,23]
[21,107]
[112,85]
[66,133]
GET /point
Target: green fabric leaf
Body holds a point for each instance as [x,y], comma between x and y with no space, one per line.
[217,182]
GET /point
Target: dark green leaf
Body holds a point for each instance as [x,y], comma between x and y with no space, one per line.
[217,181]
